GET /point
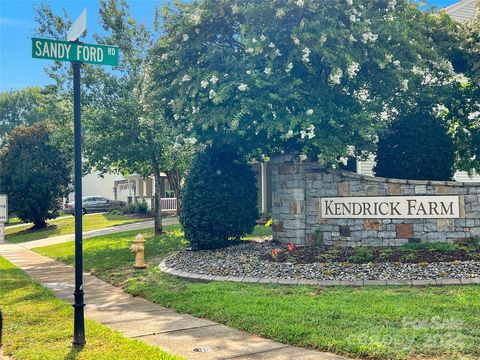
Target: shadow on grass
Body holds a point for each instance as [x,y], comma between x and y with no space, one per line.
[75,351]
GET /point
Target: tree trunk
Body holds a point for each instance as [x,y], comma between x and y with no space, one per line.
[157,211]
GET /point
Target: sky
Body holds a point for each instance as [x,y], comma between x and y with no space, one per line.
[19,70]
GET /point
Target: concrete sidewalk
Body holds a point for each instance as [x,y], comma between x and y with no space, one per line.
[99,232]
[180,334]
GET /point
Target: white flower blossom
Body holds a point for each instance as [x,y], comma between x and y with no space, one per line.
[185,37]
[212,94]
[191,141]
[353,69]
[404,84]
[336,76]
[214,79]
[440,110]
[384,115]
[243,87]
[195,109]
[323,38]
[296,40]
[289,134]
[310,112]
[171,102]
[303,157]
[474,115]
[369,36]
[204,84]
[234,124]
[363,94]
[306,55]
[197,31]
[391,4]
[263,38]
[461,79]
[289,67]
[164,56]
[249,72]
[196,18]
[249,50]
[303,134]
[351,38]
[388,58]
[350,2]
[177,62]
[176,116]
[235,9]
[271,45]
[280,13]
[300,3]
[267,71]
[277,52]
[396,63]
[186,78]
[353,18]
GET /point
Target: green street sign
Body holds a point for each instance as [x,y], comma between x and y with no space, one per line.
[72,51]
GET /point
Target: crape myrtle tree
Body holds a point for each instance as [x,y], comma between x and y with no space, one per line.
[34,174]
[120,132]
[306,76]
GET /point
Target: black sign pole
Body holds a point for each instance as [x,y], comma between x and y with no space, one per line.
[79,322]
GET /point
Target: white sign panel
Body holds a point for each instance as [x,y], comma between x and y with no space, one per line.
[3,208]
[2,233]
[78,28]
[390,207]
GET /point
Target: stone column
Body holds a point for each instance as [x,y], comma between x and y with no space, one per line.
[288,192]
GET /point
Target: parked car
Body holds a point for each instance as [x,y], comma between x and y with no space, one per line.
[91,204]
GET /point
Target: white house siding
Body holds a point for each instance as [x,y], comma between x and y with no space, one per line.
[366,168]
[462,11]
[94,185]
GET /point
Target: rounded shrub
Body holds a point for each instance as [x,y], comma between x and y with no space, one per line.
[416,146]
[219,199]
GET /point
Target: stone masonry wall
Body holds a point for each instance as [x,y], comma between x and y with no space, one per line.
[298,186]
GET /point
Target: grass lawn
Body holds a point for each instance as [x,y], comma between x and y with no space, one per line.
[375,322]
[65,226]
[39,326]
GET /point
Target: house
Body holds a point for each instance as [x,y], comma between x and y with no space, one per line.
[95,184]
[462,11]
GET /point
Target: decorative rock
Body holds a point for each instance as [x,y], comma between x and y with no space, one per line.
[404,231]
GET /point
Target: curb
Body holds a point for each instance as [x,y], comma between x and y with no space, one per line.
[265,280]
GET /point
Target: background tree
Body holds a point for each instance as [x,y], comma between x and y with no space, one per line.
[305,76]
[34,174]
[220,199]
[121,132]
[21,107]
[416,146]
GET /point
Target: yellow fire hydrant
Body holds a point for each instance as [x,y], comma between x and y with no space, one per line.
[138,248]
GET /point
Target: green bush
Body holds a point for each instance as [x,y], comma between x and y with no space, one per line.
[141,207]
[219,199]
[416,146]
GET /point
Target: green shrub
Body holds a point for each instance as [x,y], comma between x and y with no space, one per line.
[141,207]
[416,146]
[362,255]
[219,199]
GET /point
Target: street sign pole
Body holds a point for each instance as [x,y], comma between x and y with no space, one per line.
[77,53]
[79,322]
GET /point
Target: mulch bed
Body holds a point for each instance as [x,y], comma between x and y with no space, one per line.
[363,255]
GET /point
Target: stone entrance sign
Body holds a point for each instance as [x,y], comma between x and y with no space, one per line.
[312,204]
[393,207]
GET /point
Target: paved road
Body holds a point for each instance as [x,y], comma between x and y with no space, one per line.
[93,233]
[156,325]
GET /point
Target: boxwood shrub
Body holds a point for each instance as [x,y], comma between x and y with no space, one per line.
[219,199]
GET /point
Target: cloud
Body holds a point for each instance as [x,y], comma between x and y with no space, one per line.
[4,21]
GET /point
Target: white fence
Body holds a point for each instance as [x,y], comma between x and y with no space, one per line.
[169,204]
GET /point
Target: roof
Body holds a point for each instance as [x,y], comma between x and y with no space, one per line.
[464,10]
